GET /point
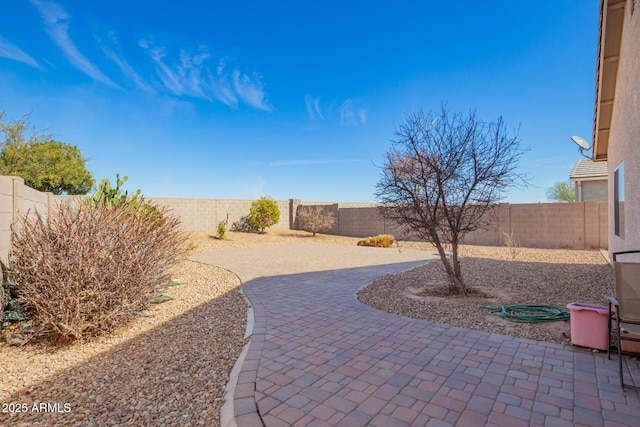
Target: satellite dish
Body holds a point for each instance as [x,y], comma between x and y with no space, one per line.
[582,143]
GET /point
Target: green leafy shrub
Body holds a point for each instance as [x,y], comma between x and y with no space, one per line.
[150,214]
[222,228]
[379,241]
[264,213]
[88,269]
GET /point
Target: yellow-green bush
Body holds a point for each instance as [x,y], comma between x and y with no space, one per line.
[379,241]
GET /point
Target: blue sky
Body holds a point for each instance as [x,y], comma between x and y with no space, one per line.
[293,99]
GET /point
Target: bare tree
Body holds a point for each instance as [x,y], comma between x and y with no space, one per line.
[315,219]
[443,173]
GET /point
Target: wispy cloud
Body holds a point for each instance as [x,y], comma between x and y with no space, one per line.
[222,89]
[362,115]
[313,107]
[308,162]
[125,67]
[250,90]
[194,75]
[352,116]
[11,51]
[56,25]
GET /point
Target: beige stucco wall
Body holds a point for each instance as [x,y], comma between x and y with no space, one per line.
[624,136]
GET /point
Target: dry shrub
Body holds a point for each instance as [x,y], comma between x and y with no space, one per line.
[86,270]
[316,219]
[379,241]
[512,244]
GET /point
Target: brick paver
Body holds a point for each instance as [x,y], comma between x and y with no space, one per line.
[317,356]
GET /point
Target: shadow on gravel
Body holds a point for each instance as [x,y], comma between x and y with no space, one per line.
[174,374]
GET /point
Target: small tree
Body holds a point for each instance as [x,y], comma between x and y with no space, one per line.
[443,173]
[562,191]
[315,219]
[264,213]
[43,163]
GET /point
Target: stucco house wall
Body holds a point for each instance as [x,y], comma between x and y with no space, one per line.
[624,134]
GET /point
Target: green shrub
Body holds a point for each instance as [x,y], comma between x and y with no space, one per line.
[264,213]
[222,228]
[89,269]
[150,214]
[379,241]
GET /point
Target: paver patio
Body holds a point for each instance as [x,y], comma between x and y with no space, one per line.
[318,357]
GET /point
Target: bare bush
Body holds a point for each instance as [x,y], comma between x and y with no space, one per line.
[315,219]
[512,244]
[243,225]
[86,270]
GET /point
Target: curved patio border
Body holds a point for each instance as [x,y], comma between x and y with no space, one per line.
[317,356]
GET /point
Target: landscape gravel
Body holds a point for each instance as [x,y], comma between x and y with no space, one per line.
[554,277]
[170,368]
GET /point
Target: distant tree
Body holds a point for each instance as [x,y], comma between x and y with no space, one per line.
[562,191]
[264,213]
[315,219]
[43,163]
[443,173]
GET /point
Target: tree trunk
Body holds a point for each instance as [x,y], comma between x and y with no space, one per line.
[452,268]
[457,271]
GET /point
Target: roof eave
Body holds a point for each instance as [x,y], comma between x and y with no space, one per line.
[609,40]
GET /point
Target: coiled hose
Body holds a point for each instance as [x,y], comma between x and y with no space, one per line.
[529,313]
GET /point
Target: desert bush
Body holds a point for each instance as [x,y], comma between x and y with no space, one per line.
[315,219]
[512,244]
[264,213]
[150,214]
[88,269]
[379,241]
[222,228]
[243,225]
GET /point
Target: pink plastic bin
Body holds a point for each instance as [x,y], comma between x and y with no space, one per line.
[589,325]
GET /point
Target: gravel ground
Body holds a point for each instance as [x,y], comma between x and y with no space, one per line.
[535,276]
[167,369]
[171,368]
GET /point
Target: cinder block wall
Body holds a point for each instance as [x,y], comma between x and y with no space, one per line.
[16,201]
[205,214]
[545,225]
[539,225]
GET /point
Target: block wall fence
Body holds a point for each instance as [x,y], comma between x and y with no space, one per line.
[582,225]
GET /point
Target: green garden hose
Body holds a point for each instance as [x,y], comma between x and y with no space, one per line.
[529,313]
